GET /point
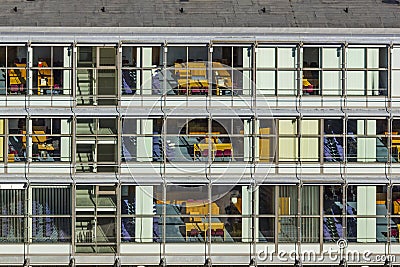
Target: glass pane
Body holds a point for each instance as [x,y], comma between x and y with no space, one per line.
[311,57]
[332,82]
[287,200]
[287,57]
[266,82]
[222,55]
[242,57]
[3,81]
[266,195]
[310,200]
[333,200]
[287,82]
[42,56]
[16,56]
[50,229]
[198,54]
[333,229]
[356,58]
[356,82]
[107,56]
[310,230]
[373,58]
[396,58]
[2,56]
[266,57]
[176,55]
[12,202]
[86,56]
[266,228]
[51,201]
[331,57]
[396,83]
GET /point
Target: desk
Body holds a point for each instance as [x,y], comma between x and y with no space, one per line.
[201,208]
[192,86]
[200,148]
[203,227]
[38,138]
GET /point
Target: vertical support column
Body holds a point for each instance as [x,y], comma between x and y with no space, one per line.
[389,81]
[254,75]
[73,219]
[248,142]
[29,63]
[119,74]
[166,74]
[28,134]
[388,216]
[344,210]
[118,217]
[321,218]
[299,72]
[344,74]
[299,230]
[73,146]
[74,74]
[210,76]
[144,208]
[277,225]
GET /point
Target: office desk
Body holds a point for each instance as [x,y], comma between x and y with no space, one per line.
[203,227]
[199,148]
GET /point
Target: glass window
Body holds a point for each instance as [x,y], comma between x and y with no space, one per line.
[142,70]
[310,209]
[96,145]
[51,214]
[231,220]
[396,72]
[51,139]
[138,205]
[12,203]
[16,70]
[367,71]
[395,140]
[141,140]
[311,72]
[333,140]
[266,140]
[96,76]
[287,211]
[16,140]
[289,140]
[95,223]
[276,70]
[366,211]
[367,140]
[2,138]
[231,70]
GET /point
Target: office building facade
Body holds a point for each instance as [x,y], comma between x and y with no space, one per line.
[199,146]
